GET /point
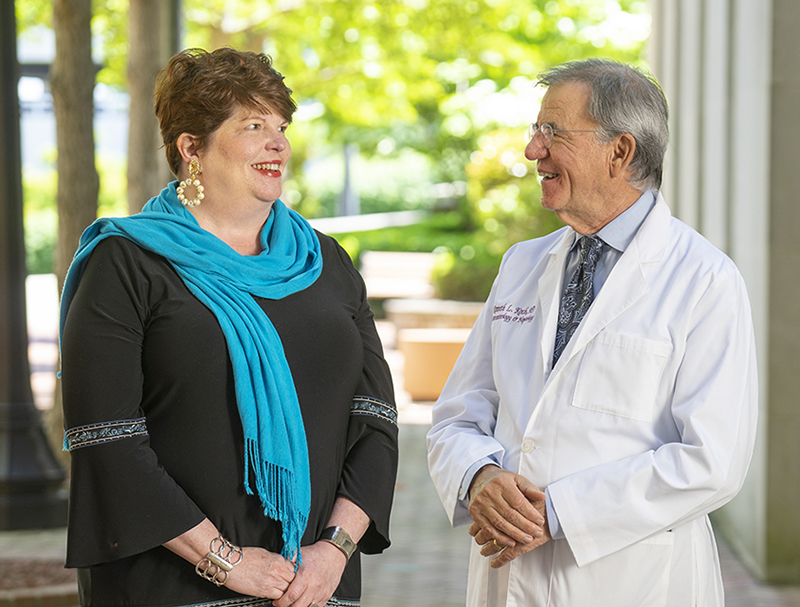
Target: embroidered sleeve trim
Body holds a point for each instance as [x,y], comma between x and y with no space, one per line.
[366,405]
[95,434]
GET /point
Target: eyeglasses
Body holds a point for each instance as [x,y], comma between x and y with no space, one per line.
[548,131]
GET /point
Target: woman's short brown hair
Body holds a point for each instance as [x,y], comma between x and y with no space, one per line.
[199,90]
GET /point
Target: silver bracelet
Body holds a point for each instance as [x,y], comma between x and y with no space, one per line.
[218,562]
[341,539]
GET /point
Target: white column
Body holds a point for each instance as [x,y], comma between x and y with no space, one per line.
[687,117]
[664,64]
[715,153]
[713,58]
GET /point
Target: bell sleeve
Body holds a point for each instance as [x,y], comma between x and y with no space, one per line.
[122,501]
[370,467]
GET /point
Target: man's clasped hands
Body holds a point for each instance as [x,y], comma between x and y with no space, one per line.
[508,513]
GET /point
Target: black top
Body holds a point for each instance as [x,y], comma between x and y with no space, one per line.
[148,381]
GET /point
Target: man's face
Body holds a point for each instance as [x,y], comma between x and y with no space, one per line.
[575,171]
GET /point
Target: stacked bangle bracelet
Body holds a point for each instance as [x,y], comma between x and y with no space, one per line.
[222,557]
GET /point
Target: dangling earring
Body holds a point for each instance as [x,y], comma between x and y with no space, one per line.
[194,171]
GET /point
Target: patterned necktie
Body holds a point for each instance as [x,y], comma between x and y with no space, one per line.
[578,295]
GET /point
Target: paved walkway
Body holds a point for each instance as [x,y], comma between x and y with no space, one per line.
[427,563]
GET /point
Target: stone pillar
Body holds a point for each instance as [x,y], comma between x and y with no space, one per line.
[31,493]
[782,563]
[729,69]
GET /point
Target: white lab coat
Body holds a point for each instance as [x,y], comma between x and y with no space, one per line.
[645,425]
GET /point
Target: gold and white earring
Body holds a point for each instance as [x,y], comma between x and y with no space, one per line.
[194,171]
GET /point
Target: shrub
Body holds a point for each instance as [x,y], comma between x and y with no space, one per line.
[464,280]
[41,230]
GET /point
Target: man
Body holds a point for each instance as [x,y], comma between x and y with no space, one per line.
[606,399]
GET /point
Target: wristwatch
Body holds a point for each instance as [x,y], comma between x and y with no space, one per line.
[341,539]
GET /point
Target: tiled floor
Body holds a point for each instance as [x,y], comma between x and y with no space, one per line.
[427,563]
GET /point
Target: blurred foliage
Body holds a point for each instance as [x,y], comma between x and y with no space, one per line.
[439,232]
[400,183]
[466,262]
[33,13]
[401,75]
[437,95]
[460,279]
[41,215]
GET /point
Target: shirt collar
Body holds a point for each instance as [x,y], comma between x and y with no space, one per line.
[620,231]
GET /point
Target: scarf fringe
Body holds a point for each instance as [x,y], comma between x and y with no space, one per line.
[275,482]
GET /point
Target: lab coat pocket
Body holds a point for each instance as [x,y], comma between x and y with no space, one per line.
[636,576]
[620,374]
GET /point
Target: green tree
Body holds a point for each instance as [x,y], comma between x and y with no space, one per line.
[395,76]
[414,74]
[441,91]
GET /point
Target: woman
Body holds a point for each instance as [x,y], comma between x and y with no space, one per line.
[228,410]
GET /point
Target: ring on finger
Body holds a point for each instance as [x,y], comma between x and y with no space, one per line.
[313,605]
[496,545]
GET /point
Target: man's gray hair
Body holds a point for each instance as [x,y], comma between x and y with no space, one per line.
[624,99]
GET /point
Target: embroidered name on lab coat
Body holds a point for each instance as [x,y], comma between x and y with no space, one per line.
[508,312]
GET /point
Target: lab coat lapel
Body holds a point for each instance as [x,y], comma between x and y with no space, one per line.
[627,282]
[624,286]
[550,286]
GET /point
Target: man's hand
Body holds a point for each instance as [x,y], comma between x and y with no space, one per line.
[509,514]
[503,554]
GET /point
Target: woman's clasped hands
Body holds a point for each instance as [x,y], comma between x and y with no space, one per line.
[261,573]
[269,575]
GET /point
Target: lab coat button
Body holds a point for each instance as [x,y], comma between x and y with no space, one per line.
[527,445]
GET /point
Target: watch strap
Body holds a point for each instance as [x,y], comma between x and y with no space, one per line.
[341,539]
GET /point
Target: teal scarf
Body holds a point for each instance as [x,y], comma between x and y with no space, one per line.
[223,280]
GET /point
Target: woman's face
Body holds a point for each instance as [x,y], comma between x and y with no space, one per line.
[245,158]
